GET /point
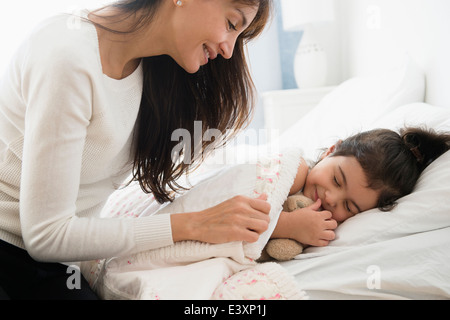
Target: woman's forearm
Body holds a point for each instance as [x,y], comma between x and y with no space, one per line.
[182,227]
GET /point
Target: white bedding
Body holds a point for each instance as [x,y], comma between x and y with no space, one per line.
[194,270]
[402,254]
[387,255]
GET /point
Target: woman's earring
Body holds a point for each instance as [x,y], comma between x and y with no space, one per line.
[179,3]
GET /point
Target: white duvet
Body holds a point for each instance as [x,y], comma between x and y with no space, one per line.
[194,270]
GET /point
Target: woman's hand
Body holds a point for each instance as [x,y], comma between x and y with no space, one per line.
[237,219]
[307,226]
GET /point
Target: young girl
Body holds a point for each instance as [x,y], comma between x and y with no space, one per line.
[83,106]
[368,170]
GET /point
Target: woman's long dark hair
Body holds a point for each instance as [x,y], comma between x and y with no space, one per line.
[220,96]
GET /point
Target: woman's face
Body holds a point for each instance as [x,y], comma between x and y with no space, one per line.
[205,29]
[341,185]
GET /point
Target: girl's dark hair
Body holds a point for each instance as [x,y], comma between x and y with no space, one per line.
[220,95]
[394,161]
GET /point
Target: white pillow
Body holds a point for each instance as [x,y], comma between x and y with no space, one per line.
[416,114]
[353,106]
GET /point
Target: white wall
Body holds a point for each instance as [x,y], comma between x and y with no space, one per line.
[379,32]
[18,17]
[264,59]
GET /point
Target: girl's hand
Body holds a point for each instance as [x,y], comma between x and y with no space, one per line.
[307,226]
[237,219]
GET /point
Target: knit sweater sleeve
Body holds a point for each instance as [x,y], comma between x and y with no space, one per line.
[57,90]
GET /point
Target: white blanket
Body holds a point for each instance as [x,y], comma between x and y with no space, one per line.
[194,270]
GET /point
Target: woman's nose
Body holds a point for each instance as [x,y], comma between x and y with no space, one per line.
[227,47]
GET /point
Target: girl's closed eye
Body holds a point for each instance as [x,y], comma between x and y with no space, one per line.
[347,207]
[336,182]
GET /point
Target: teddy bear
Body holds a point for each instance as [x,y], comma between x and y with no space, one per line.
[286,249]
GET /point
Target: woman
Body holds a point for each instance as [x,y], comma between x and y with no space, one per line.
[82,106]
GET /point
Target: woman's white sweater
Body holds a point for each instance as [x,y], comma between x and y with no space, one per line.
[65,142]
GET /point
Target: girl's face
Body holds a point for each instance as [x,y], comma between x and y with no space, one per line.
[205,29]
[341,185]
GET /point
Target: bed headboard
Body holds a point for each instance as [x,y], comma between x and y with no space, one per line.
[378,33]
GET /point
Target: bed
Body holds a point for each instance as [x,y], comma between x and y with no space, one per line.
[397,60]
[394,255]
[402,254]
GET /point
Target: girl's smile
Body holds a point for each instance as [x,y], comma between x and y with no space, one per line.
[341,185]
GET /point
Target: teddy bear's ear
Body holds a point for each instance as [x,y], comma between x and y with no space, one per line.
[303,202]
[295,202]
[290,204]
